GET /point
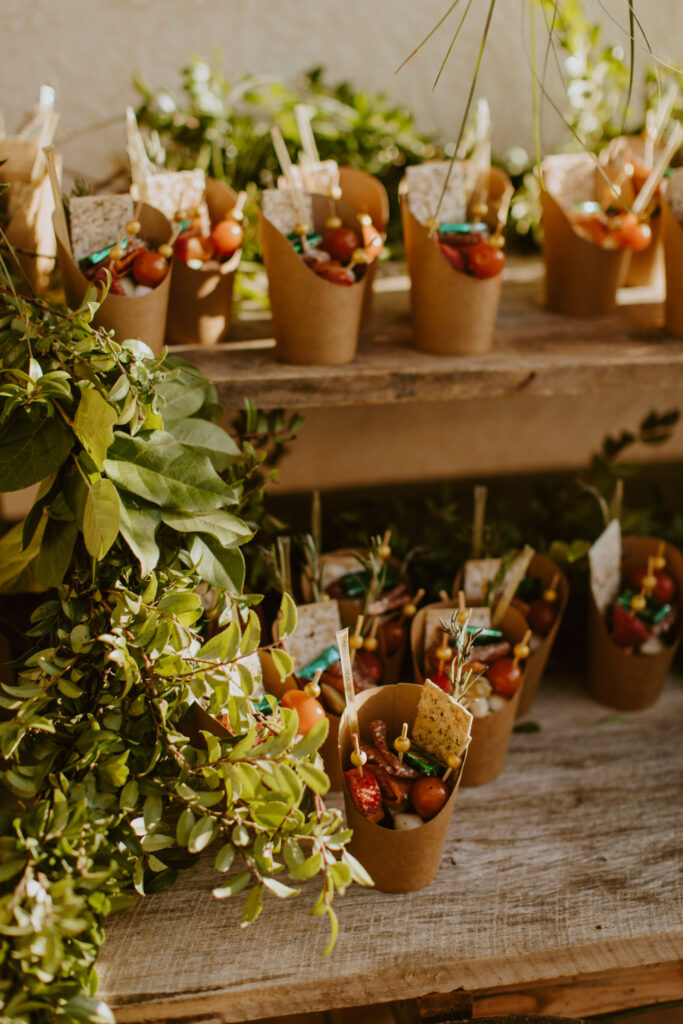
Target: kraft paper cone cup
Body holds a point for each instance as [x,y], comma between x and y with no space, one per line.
[581,278]
[366,194]
[542,568]
[315,322]
[631,682]
[452,313]
[200,300]
[673,263]
[646,269]
[396,861]
[31,230]
[329,750]
[490,735]
[142,316]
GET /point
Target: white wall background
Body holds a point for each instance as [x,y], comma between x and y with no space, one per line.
[88,49]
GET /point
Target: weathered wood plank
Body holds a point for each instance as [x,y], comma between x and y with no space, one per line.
[568,866]
[535,352]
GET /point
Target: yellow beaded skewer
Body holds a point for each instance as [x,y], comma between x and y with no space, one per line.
[639,601]
[521,650]
[402,743]
[409,610]
[370,642]
[659,561]
[453,761]
[133,227]
[550,595]
[312,689]
[358,756]
[357,641]
[443,652]
[384,549]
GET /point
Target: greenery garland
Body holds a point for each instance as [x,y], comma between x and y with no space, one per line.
[110,786]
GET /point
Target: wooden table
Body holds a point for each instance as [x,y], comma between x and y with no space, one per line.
[559,892]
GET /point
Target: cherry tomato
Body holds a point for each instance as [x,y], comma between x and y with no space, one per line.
[341,243]
[627,629]
[149,268]
[227,236]
[541,616]
[428,796]
[334,273]
[632,234]
[442,680]
[666,585]
[393,633]
[369,664]
[189,246]
[485,260]
[505,677]
[454,256]
[310,712]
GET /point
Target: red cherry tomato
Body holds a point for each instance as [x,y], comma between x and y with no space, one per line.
[541,616]
[666,585]
[428,796]
[454,256]
[189,246]
[485,260]
[334,273]
[393,633]
[149,268]
[442,680]
[632,234]
[341,243]
[310,712]
[505,677]
[227,236]
[627,629]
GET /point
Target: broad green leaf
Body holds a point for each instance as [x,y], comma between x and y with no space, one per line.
[282,891]
[276,745]
[234,886]
[341,876]
[151,810]
[209,438]
[358,872]
[288,617]
[162,471]
[224,526]
[186,823]
[253,905]
[138,527]
[93,424]
[222,647]
[225,857]
[101,517]
[13,560]
[31,449]
[219,566]
[89,1010]
[315,778]
[283,662]
[308,868]
[11,867]
[251,635]
[201,835]
[183,396]
[313,740]
[56,550]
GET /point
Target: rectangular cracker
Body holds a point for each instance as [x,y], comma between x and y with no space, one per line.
[570,177]
[98,221]
[477,574]
[442,726]
[315,630]
[285,208]
[172,191]
[605,566]
[425,184]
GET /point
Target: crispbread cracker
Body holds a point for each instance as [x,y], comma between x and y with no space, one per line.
[425,183]
[285,207]
[570,177]
[477,574]
[336,566]
[315,630]
[674,192]
[176,191]
[434,617]
[442,726]
[97,221]
[605,566]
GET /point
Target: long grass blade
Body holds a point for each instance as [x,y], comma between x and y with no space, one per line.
[453,41]
[632,54]
[428,36]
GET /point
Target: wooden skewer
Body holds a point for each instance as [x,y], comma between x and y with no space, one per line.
[342,637]
[356,641]
[60,216]
[237,211]
[312,689]
[402,743]
[444,595]
[480,494]
[550,594]
[443,651]
[358,756]
[410,607]
[453,761]
[302,114]
[521,650]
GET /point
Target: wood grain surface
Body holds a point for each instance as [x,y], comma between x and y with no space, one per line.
[566,870]
[535,352]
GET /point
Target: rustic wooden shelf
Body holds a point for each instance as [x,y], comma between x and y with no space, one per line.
[535,352]
[559,892]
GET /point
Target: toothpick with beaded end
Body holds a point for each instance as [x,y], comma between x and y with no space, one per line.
[462,614]
[358,756]
[357,641]
[443,652]
[133,227]
[453,761]
[521,650]
[342,637]
[370,642]
[312,689]
[384,550]
[550,595]
[402,743]
[410,608]
[639,601]
[659,561]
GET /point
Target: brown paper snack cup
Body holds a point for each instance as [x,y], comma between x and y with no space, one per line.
[646,269]
[490,735]
[396,861]
[315,322]
[452,313]
[329,752]
[31,230]
[142,316]
[542,568]
[581,278]
[631,682]
[673,262]
[200,301]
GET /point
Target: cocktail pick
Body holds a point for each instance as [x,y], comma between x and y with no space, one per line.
[443,594]
[358,756]
[356,641]
[521,650]
[342,637]
[550,595]
[660,560]
[639,601]
[480,494]
[453,761]
[443,652]
[402,743]
[312,689]
[370,642]
[410,609]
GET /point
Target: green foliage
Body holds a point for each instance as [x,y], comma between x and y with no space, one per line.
[114,775]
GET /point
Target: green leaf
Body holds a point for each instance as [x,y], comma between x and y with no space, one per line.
[14,559]
[101,517]
[31,449]
[151,810]
[222,647]
[251,636]
[93,424]
[358,872]
[138,527]
[56,550]
[161,471]
[253,905]
[315,778]
[201,835]
[225,857]
[288,617]
[282,891]
[334,931]
[219,566]
[313,740]
[234,886]
[11,867]
[224,526]
[210,439]
[88,1010]
[186,823]
[283,662]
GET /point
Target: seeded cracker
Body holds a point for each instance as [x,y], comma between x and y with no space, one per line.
[316,627]
[425,184]
[478,573]
[605,566]
[283,207]
[97,221]
[442,725]
[570,177]
[674,192]
[171,191]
